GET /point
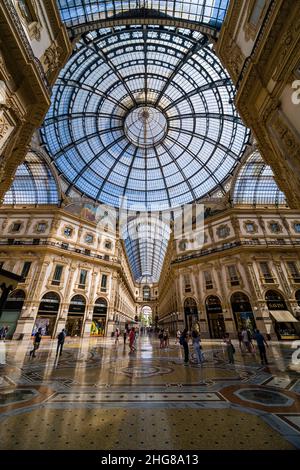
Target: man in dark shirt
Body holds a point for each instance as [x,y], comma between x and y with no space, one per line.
[36,342]
[184,342]
[261,342]
[60,341]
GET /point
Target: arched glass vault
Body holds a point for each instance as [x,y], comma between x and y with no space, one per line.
[33,184]
[144,113]
[87,14]
[255,184]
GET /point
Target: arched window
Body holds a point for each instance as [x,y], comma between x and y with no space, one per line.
[242,312]
[47,312]
[146,293]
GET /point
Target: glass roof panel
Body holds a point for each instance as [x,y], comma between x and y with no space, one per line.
[146,243]
[33,183]
[144,113]
[255,184]
[205,12]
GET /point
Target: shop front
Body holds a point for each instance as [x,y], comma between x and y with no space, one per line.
[11,311]
[215,317]
[75,316]
[242,312]
[286,326]
[47,313]
[99,318]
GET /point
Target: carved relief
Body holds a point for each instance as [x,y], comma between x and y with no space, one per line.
[51,58]
[282,278]
[6,129]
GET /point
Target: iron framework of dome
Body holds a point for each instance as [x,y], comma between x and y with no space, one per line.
[87,13]
[33,183]
[255,184]
[144,113]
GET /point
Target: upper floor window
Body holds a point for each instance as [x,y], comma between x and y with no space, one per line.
[223,231]
[233,275]
[250,227]
[108,245]
[104,283]
[146,293]
[25,270]
[275,227]
[182,245]
[256,12]
[16,227]
[187,283]
[293,268]
[57,275]
[26,10]
[68,231]
[266,272]
[82,278]
[208,280]
[41,227]
[89,238]
[297,227]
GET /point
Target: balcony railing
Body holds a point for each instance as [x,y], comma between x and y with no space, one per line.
[236,244]
[59,245]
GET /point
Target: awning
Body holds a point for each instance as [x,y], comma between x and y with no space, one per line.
[283,316]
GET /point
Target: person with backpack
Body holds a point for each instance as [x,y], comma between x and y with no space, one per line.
[60,341]
[36,342]
[183,340]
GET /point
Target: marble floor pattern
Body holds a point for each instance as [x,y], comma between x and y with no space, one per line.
[98,396]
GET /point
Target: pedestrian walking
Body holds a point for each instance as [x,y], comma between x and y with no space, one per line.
[184,343]
[60,341]
[197,346]
[117,335]
[261,343]
[178,334]
[132,340]
[230,348]
[3,332]
[124,336]
[36,342]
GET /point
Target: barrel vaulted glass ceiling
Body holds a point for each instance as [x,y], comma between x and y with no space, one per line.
[145,113]
[255,184]
[33,183]
[84,12]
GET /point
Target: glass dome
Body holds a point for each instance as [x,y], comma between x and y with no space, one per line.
[144,113]
[33,183]
[255,184]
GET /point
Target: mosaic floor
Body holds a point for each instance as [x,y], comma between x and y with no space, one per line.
[98,396]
